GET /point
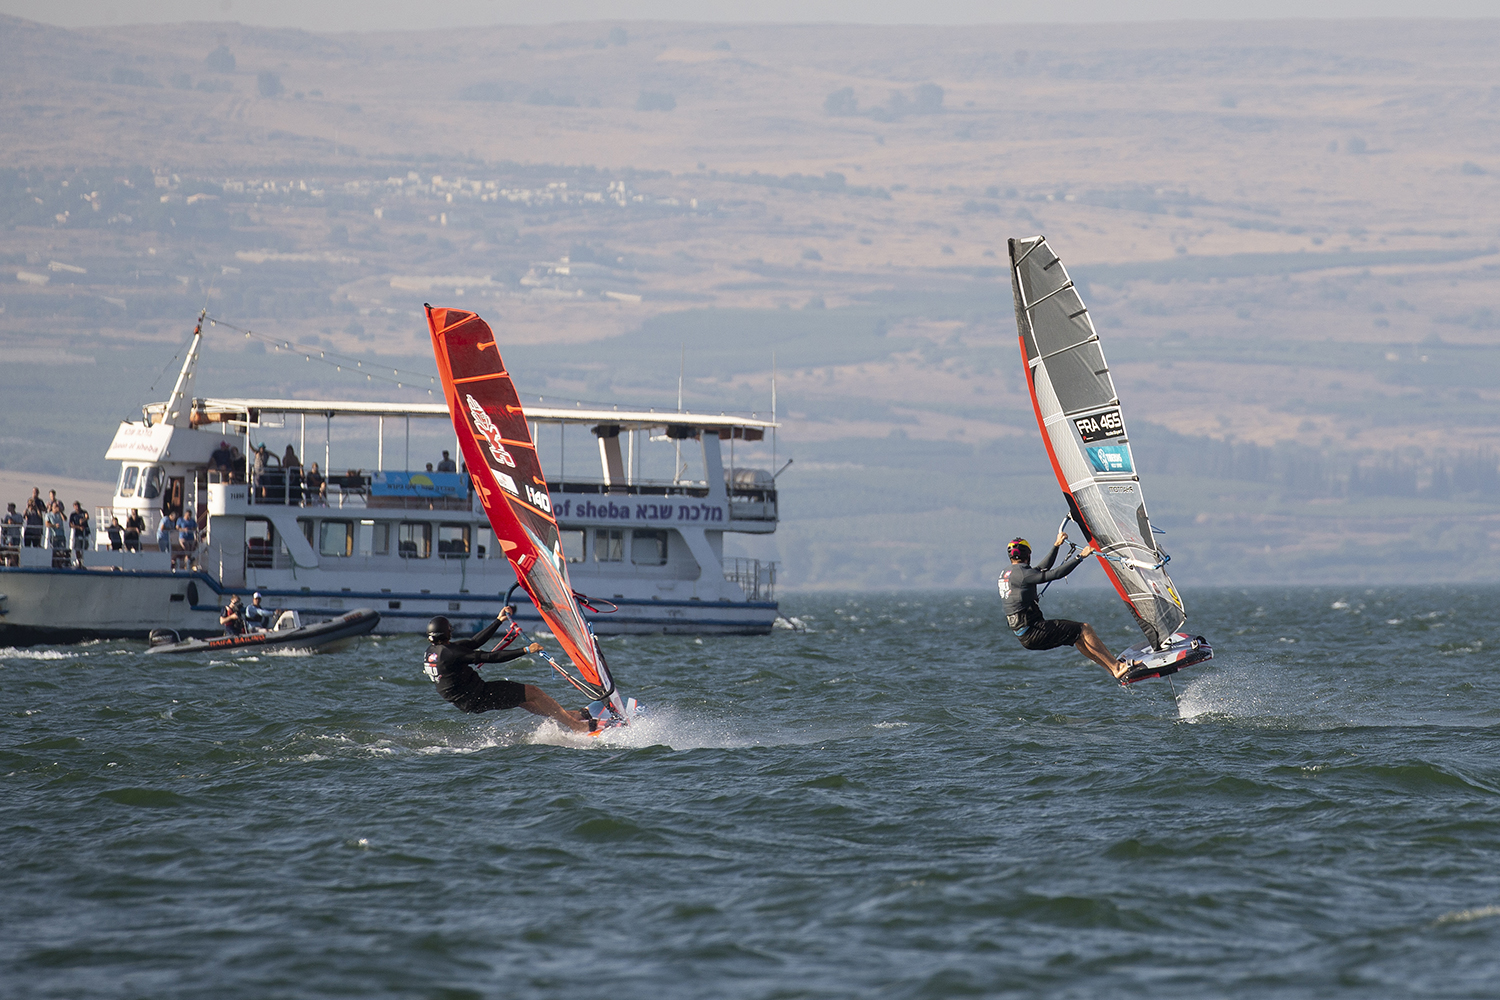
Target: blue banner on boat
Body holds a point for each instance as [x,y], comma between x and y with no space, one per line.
[427,485]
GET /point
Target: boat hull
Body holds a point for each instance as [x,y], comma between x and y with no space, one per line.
[59,606]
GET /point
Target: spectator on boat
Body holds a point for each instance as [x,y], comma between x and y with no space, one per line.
[429,466]
[233,616]
[78,527]
[57,524]
[450,665]
[10,528]
[223,456]
[116,535]
[293,468]
[256,616]
[33,519]
[187,537]
[313,484]
[258,469]
[164,532]
[446,465]
[134,525]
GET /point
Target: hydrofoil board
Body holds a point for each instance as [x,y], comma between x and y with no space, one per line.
[1181,651]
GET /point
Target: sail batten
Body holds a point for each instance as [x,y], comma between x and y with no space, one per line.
[1083,428]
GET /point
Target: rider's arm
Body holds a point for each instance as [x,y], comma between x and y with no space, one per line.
[1063,570]
[1047,562]
[498,655]
[478,638]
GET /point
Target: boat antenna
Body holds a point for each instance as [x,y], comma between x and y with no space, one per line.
[773,407]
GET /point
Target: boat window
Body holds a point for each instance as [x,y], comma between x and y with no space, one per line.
[572,544]
[453,541]
[151,489]
[414,540]
[128,476]
[609,545]
[482,543]
[648,548]
[336,538]
[260,541]
[380,540]
[307,528]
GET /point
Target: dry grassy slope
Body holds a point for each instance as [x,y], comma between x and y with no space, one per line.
[1182,144]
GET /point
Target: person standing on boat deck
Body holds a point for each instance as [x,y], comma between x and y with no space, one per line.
[33,519]
[10,527]
[450,665]
[57,522]
[446,465]
[187,537]
[293,467]
[164,533]
[116,535]
[233,616]
[134,525]
[1023,612]
[78,526]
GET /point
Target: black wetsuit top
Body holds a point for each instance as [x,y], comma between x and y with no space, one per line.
[1018,590]
[449,663]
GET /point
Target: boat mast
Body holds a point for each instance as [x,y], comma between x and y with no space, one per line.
[179,409]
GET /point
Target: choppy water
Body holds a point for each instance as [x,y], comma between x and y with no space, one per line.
[900,802]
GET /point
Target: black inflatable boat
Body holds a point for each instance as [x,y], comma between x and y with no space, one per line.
[289,633]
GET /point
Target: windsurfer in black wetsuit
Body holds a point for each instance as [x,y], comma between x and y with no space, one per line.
[1024,614]
[449,663]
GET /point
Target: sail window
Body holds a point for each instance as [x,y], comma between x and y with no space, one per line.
[453,541]
[151,488]
[260,543]
[572,544]
[335,538]
[648,548]
[414,540]
[128,476]
[609,545]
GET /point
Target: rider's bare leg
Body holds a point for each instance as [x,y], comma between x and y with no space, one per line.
[1090,645]
[539,702]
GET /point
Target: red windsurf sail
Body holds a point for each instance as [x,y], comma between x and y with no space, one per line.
[502,461]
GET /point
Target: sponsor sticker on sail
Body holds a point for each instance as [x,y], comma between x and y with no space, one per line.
[1098,426]
[486,426]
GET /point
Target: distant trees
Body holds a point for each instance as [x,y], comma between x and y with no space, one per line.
[925,99]
[651,100]
[220,60]
[268,83]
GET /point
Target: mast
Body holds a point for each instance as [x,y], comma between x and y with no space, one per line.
[179,411]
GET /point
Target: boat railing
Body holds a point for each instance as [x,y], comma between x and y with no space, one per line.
[756,577]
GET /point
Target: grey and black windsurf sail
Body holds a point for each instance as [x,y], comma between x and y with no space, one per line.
[1083,428]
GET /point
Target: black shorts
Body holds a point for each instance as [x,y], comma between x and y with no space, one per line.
[1053,633]
[495,696]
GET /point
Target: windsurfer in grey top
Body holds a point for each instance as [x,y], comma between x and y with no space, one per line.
[1023,613]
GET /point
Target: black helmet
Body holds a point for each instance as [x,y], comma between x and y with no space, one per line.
[439,629]
[1019,548]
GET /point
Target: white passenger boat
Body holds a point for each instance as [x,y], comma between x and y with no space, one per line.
[408,544]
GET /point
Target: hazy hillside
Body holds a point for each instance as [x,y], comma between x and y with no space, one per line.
[1289,236]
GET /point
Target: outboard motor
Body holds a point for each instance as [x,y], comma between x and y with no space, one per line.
[163,637]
